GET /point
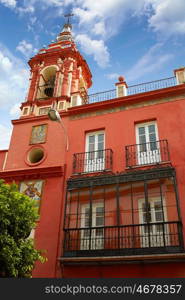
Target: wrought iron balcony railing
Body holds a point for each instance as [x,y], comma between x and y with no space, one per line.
[94,161]
[150,238]
[151,86]
[102,96]
[147,153]
[134,89]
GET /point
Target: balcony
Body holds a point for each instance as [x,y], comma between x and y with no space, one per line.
[147,153]
[94,161]
[137,239]
[133,213]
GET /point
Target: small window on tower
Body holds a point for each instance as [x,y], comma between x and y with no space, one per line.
[25,111]
[44,110]
[61,105]
[74,101]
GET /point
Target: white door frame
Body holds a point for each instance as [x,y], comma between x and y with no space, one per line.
[95,163]
[149,156]
[156,237]
[97,235]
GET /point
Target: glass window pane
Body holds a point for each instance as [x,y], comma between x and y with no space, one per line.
[100,146]
[159,216]
[142,139]
[159,228]
[87,217]
[99,221]
[91,139]
[91,147]
[86,233]
[99,210]
[157,205]
[152,137]
[100,137]
[151,128]
[99,232]
[141,130]
[142,147]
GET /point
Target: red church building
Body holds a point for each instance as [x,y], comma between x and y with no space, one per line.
[109,177]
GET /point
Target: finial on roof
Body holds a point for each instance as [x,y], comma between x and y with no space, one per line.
[121,78]
[65,34]
[68,17]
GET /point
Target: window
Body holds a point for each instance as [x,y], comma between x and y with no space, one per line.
[61,105]
[74,101]
[148,147]
[25,111]
[92,217]
[95,156]
[35,155]
[152,235]
[44,110]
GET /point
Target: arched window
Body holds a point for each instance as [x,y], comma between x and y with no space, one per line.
[47,82]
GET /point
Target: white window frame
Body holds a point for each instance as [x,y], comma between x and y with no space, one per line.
[64,105]
[28,111]
[97,241]
[149,156]
[156,239]
[96,164]
[42,108]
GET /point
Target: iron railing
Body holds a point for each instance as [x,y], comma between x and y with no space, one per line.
[151,86]
[94,161]
[147,153]
[134,89]
[102,96]
[159,237]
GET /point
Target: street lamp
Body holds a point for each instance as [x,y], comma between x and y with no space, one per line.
[55,116]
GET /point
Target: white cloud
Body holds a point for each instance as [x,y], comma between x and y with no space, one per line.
[112,76]
[27,9]
[164,16]
[101,19]
[5,134]
[26,48]
[167,17]
[9,3]
[99,29]
[15,110]
[96,48]
[5,63]
[109,13]
[32,5]
[153,60]
[14,76]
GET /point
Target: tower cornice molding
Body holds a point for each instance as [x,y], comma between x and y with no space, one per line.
[32,173]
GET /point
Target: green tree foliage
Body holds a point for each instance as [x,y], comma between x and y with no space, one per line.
[18,217]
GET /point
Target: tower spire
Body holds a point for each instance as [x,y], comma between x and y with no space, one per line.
[65,35]
[68,17]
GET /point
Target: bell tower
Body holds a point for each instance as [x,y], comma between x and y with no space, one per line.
[60,77]
[38,155]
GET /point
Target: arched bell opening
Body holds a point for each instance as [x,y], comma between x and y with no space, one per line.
[47,83]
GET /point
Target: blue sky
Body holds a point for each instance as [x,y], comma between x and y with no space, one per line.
[143,40]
